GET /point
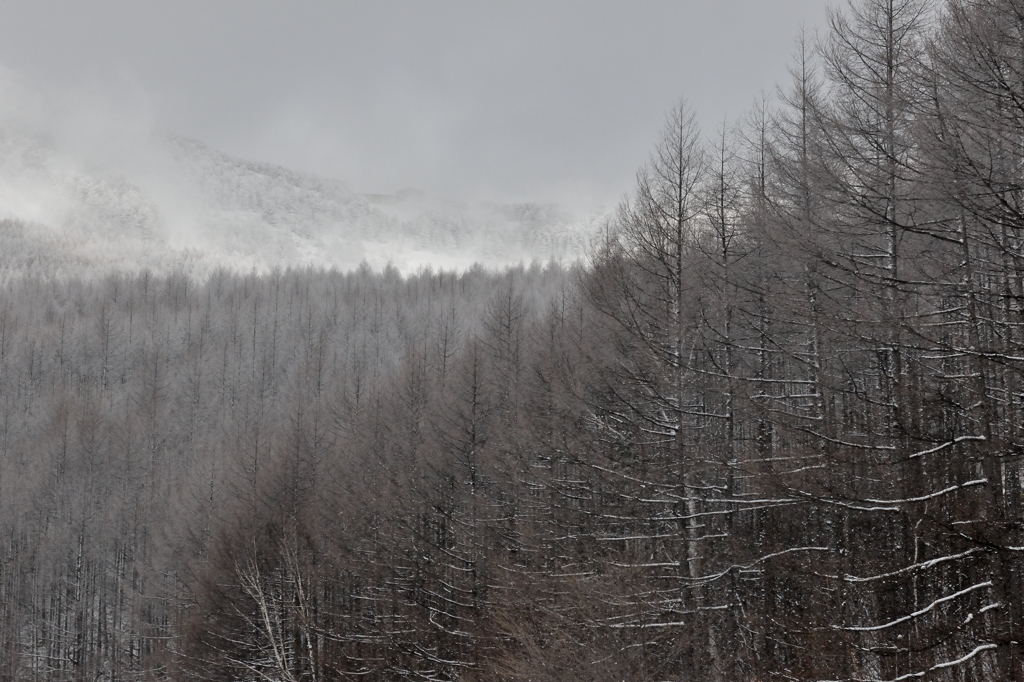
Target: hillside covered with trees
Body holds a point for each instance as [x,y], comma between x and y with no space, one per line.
[177,205]
[773,429]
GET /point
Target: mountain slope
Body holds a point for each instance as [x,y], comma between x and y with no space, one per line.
[181,204]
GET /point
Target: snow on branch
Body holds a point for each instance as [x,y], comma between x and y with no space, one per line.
[943,446]
[921,612]
[760,560]
[924,565]
[931,496]
[921,673]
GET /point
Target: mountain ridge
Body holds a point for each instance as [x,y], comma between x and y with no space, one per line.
[181,204]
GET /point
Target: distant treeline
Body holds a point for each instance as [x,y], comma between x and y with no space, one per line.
[772,430]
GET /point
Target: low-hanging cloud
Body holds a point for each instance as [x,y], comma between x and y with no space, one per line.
[93,185]
[477,104]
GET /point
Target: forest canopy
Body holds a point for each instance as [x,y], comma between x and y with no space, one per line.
[772,429]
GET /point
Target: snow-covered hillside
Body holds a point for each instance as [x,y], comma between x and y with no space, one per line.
[177,203]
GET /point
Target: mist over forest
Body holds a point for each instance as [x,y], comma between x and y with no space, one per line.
[762,421]
[171,204]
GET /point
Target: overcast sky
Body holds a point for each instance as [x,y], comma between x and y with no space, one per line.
[524,99]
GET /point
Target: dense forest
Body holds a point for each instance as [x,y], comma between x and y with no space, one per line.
[772,429]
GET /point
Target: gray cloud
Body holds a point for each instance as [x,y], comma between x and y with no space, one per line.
[512,100]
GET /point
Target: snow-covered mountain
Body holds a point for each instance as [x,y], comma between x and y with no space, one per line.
[177,203]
